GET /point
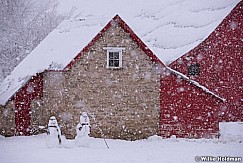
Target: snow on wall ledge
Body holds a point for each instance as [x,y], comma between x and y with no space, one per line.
[169,29]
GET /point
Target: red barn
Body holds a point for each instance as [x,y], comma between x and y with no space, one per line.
[188,110]
[138,95]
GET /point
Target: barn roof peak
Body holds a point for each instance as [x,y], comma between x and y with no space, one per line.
[124,25]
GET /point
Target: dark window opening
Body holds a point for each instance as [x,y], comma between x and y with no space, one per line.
[194,69]
[114,59]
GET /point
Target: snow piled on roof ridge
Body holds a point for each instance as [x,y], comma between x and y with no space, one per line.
[195,83]
[166,27]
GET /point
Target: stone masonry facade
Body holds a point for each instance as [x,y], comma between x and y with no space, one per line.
[7,119]
[121,103]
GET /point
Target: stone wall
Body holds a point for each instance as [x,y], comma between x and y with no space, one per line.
[51,104]
[7,119]
[39,117]
[122,103]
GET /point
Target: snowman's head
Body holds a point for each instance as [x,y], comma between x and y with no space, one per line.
[52,121]
[84,114]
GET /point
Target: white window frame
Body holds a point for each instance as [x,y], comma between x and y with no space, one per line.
[113,49]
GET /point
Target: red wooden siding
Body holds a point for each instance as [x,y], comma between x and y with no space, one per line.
[187,110]
[32,90]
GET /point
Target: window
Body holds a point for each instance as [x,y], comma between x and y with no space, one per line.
[114,57]
[194,69]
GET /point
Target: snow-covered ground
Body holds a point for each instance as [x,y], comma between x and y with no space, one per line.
[153,150]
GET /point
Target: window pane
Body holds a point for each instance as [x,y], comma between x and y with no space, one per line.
[116,63]
[111,63]
[116,55]
[111,55]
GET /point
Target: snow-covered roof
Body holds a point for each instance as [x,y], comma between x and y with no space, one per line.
[168,28]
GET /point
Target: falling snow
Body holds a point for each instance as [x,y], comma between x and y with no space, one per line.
[169,35]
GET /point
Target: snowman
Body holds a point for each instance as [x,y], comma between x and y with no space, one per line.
[83,131]
[53,133]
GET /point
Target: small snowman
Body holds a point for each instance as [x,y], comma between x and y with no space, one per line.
[53,133]
[83,130]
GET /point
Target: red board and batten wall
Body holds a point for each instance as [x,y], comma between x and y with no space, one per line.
[187,110]
[220,58]
[32,90]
